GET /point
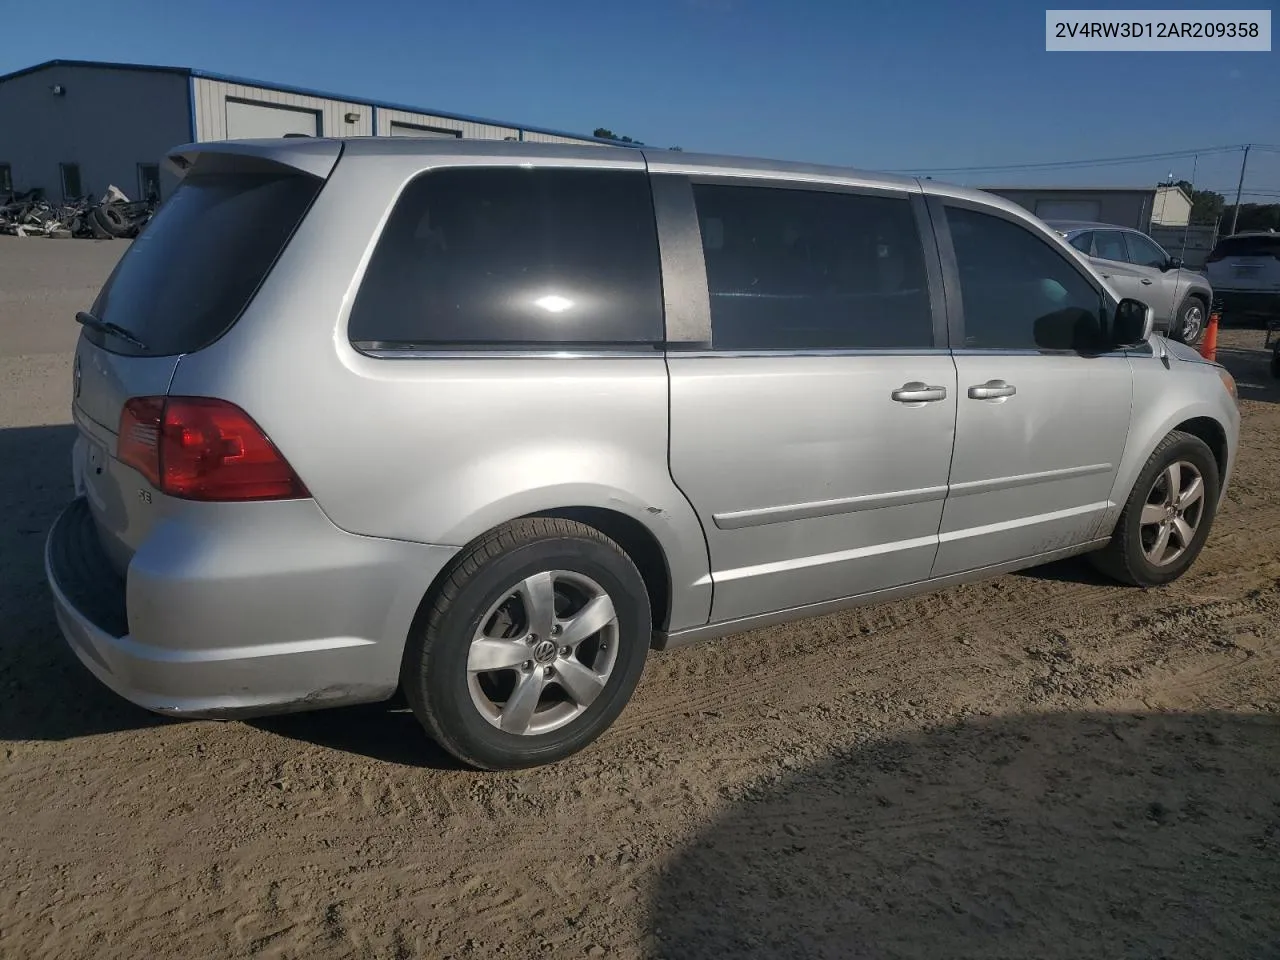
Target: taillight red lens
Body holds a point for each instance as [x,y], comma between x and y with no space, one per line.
[199,448]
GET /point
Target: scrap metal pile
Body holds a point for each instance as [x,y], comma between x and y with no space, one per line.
[113,215]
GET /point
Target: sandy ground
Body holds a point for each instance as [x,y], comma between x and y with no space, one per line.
[1043,765]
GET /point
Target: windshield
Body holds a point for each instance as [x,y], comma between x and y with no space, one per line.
[192,271]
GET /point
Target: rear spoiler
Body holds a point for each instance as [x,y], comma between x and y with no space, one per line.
[313,156]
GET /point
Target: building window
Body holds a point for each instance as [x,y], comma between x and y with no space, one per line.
[149,181]
[71,189]
[6,178]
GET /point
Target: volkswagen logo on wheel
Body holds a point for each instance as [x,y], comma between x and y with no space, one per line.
[544,651]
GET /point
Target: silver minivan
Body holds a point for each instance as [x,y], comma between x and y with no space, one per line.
[485,422]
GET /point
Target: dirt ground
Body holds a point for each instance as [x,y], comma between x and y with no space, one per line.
[1043,765]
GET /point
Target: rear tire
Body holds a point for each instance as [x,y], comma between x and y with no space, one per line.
[1167,517]
[1189,325]
[503,677]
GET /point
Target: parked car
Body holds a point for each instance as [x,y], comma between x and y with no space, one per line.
[1244,269]
[485,422]
[1136,266]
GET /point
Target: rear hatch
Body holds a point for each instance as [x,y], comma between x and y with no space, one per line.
[182,285]
[1246,263]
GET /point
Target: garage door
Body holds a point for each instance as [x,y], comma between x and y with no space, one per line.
[412,130]
[246,121]
[1067,209]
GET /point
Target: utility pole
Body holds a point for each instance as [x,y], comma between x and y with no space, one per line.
[1235,215]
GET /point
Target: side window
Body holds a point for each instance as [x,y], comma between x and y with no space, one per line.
[1083,242]
[1018,292]
[1109,245]
[1144,252]
[510,256]
[812,270]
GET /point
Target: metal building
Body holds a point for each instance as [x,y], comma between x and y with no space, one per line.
[73,127]
[1125,206]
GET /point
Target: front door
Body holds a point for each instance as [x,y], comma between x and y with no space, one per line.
[814,437]
[1151,261]
[1041,424]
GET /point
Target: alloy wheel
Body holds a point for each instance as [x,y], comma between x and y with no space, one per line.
[1192,322]
[543,652]
[1172,513]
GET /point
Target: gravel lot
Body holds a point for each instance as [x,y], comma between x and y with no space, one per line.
[1039,766]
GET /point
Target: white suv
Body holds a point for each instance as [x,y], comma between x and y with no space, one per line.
[1244,270]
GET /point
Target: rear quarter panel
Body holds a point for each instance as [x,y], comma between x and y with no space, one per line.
[439,450]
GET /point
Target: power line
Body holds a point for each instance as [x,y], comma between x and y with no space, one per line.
[1068,164]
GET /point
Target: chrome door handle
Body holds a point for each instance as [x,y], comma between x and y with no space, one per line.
[992,390]
[918,392]
[1146,282]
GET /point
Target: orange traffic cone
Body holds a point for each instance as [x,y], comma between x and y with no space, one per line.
[1209,345]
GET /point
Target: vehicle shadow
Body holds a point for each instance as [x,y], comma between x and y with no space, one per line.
[1051,835]
[381,731]
[45,694]
[1070,570]
[1252,370]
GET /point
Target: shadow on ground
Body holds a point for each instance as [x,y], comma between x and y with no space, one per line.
[44,692]
[1057,835]
[1252,370]
[381,731]
[1071,570]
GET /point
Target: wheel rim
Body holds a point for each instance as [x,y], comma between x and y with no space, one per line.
[543,653]
[1172,513]
[1192,321]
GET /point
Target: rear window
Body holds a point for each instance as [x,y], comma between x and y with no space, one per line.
[1247,247]
[514,257]
[189,275]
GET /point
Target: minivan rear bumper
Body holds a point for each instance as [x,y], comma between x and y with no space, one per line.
[240,609]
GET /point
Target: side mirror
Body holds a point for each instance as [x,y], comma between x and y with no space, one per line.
[1173,263]
[1133,324]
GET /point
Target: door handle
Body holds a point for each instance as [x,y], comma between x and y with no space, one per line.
[918,392]
[992,390]
[1146,282]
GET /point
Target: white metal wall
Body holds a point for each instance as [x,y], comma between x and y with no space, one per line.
[211,109]
[211,115]
[533,137]
[475,131]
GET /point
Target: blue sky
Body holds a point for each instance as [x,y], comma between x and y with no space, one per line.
[888,86]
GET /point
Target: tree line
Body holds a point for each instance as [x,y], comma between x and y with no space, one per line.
[1208,207]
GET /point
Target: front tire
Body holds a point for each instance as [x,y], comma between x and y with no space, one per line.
[532,646]
[1167,517]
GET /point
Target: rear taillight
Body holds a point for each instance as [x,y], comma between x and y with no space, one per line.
[199,448]
[138,443]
